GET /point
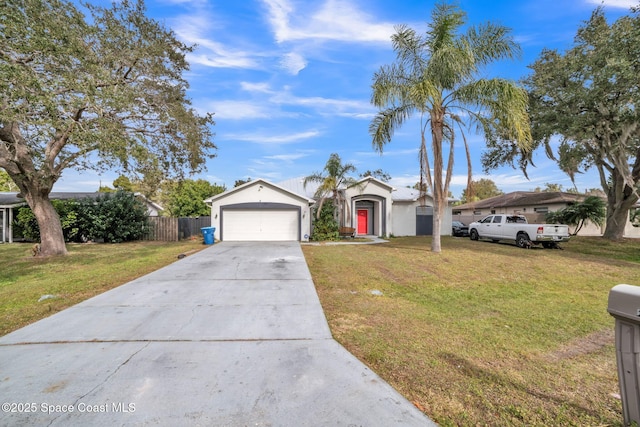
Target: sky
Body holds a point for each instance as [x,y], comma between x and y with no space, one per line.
[289,83]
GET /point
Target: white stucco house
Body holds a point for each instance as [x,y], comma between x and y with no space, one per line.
[261,210]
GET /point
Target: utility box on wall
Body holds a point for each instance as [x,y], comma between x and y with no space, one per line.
[624,306]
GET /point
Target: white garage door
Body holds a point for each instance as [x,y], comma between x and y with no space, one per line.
[260,224]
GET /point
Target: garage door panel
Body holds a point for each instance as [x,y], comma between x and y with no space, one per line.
[260,225]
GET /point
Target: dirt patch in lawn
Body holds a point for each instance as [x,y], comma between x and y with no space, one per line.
[582,346]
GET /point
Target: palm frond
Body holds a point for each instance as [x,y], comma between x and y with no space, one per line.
[446,19]
[385,123]
[502,109]
[491,42]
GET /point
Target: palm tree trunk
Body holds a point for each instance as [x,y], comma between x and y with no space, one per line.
[439,198]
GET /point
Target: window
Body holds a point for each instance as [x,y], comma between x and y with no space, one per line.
[515,219]
[424,210]
[477,212]
[542,209]
[497,218]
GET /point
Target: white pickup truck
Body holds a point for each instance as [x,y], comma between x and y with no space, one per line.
[515,228]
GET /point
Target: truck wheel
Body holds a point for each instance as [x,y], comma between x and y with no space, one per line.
[473,234]
[522,241]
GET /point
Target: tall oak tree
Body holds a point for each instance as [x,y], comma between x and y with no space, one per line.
[102,91]
[585,112]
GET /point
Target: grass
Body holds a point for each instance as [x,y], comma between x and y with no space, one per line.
[480,334]
[88,270]
[483,333]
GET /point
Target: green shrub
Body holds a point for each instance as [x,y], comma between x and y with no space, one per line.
[113,217]
[325,227]
[25,224]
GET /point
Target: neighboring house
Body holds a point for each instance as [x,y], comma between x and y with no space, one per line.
[10,202]
[532,204]
[261,210]
[153,209]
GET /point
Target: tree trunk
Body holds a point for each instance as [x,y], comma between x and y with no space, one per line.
[34,183]
[617,218]
[51,236]
[620,198]
[437,136]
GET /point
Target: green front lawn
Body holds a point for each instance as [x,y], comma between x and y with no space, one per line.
[88,270]
[483,333]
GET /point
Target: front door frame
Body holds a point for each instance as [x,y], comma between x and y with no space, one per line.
[377,213]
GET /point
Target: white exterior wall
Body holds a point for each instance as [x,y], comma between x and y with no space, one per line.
[261,192]
[404,218]
[445,221]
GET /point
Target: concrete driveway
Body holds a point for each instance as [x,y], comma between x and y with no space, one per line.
[231,336]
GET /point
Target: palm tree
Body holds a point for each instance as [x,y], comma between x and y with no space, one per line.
[592,209]
[435,77]
[332,181]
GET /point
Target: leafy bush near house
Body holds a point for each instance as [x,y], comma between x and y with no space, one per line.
[325,226]
[113,217]
[68,210]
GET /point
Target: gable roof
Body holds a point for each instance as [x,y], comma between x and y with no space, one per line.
[400,194]
[524,198]
[377,181]
[258,181]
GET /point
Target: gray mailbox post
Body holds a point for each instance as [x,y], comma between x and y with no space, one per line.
[624,306]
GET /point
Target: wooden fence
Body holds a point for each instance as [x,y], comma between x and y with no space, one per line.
[173,229]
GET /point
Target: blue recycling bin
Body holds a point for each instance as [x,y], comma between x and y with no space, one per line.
[207,234]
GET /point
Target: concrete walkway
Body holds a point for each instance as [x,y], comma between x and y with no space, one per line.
[231,336]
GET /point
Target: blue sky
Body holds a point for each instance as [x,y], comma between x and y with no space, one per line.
[289,82]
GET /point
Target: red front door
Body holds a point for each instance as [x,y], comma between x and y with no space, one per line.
[363,221]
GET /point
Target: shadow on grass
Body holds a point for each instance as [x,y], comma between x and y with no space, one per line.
[472,370]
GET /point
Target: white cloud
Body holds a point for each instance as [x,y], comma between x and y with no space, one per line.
[216,60]
[293,63]
[262,173]
[328,106]
[333,20]
[193,29]
[260,138]
[622,4]
[256,87]
[269,106]
[287,157]
[239,110]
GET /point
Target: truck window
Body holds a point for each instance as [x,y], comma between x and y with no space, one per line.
[486,220]
[497,218]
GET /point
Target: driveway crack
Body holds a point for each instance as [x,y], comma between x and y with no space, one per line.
[106,379]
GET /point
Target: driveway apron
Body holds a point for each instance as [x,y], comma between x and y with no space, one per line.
[233,335]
